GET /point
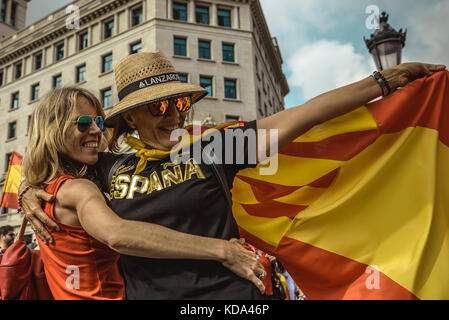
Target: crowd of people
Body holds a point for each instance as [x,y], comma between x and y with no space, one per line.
[141,226]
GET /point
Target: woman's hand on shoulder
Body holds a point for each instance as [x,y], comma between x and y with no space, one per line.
[32,207]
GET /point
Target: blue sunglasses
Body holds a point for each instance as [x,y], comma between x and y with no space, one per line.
[84,123]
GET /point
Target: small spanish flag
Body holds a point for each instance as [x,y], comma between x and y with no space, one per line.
[13,177]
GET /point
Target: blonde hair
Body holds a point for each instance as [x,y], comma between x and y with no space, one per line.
[50,126]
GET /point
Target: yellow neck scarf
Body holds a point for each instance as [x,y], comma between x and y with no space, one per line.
[154,154]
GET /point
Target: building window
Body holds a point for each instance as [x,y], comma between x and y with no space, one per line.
[259,101]
[106,64]
[257,65]
[183,77]
[230,89]
[18,70]
[228,52]
[263,83]
[13,13]
[229,118]
[135,47]
[12,129]
[106,96]
[7,160]
[136,16]
[35,91]
[83,40]
[28,123]
[3,11]
[206,83]
[180,11]
[15,100]
[180,46]
[224,17]
[81,73]
[204,49]
[108,29]
[57,81]
[202,15]
[1,78]
[59,51]
[38,61]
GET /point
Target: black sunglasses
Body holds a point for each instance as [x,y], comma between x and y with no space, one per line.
[159,108]
[84,123]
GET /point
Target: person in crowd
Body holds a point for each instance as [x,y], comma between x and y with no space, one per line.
[187,195]
[81,263]
[7,236]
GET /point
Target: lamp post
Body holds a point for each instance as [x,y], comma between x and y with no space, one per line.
[385,44]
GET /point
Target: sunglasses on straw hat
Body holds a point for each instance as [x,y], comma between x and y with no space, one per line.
[149,79]
[160,108]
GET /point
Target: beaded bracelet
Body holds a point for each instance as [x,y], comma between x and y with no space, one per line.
[382,82]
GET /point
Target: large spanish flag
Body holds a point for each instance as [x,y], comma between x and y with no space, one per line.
[13,177]
[359,207]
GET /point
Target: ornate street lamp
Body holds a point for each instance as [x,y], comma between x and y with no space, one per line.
[385,44]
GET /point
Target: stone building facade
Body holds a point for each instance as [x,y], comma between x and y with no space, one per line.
[222,45]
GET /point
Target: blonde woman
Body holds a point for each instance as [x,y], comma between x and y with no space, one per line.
[81,263]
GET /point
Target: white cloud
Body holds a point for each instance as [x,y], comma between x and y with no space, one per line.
[325,65]
[427,35]
[296,22]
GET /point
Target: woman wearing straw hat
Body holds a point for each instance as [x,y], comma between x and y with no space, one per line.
[81,263]
[187,196]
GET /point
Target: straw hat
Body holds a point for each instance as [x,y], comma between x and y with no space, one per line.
[145,77]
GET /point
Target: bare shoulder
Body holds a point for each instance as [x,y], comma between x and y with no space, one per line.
[73,190]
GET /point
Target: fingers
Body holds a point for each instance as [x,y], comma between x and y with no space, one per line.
[241,241]
[426,70]
[257,282]
[436,67]
[430,69]
[39,230]
[259,271]
[39,215]
[41,194]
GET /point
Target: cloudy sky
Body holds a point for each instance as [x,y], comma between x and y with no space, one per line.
[322,40]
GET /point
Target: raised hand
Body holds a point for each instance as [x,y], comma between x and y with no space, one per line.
[405,73]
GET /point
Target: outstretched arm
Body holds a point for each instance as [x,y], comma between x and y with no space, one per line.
[293,122]
[150,240]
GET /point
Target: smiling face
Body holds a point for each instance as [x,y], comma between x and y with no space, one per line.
[83,146]
[155,131]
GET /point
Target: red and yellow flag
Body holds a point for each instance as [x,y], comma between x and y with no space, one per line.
[359,206]
[12,181]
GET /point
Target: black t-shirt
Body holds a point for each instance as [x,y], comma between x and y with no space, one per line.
[186,197]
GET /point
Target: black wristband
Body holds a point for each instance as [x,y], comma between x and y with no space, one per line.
[379,82]
[386,84]
[383,82]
